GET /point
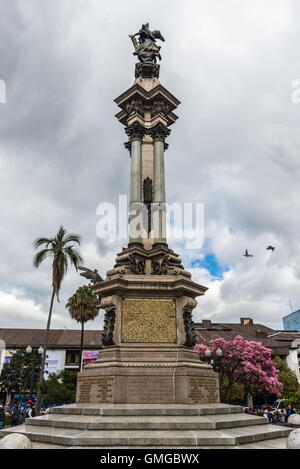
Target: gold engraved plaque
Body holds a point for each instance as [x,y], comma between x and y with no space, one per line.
[148,321]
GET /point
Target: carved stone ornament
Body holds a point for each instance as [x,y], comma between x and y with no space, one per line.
[137,266]
[160,266]
[160,107]
[148,190]
[147,70]
[159,132]
[128,145]
[108,330]
[148,199]
[135,131]
[189,329]
[135,106]
[107,302]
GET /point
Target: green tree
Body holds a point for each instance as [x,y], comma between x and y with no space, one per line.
[62,251]
[237,391]
[17,374]
[83,306]
[69,378]
[288,378]
[59,388]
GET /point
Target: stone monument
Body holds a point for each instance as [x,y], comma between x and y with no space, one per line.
[148,297]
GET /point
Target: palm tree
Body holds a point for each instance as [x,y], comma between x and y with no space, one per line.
[83,307]
[62,251]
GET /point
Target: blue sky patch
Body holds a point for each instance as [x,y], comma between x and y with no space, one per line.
[210,263]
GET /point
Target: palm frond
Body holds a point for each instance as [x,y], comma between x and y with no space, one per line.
[72,238]
[61,233]
[40,241]
[74,256]
[41,256]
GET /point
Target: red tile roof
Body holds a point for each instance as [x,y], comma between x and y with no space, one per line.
[279,341]
[58,338]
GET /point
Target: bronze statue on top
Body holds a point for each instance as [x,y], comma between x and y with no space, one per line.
[147,51]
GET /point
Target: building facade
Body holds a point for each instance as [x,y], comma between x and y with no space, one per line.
[285,344]
[63,351]
[292,321]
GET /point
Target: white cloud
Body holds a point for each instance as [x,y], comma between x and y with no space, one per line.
[18,311]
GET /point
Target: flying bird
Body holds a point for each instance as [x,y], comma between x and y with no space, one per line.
[248,255]
[270,248]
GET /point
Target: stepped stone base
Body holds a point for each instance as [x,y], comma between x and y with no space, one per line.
[151,426]
[137,375]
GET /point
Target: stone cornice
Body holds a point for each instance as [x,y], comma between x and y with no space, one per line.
[137,92]
[158,285]
[120,364]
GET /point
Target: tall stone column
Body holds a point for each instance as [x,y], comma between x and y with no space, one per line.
[136,171]
[135,133]
[159,133]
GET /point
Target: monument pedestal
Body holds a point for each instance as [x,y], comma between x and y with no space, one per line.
[137,375]
[148,336]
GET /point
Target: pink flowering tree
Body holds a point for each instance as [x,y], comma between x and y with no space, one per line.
[243,362]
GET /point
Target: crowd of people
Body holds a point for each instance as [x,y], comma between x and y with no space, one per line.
[17,414]
[278,416]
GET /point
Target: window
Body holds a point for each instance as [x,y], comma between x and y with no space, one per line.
[72,358]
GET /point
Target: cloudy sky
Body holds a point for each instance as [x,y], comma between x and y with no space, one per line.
[235,147]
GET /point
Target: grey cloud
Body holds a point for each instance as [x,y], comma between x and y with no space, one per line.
[235,146]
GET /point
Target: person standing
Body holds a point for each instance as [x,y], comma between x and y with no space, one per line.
[33,411]
[7,409]
[48,410]
[15,415]
[290,411]
[2,417]
[28,411]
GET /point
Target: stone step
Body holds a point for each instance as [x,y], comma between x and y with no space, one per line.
[143,409]
[148,439]
[209,422]
[275,443]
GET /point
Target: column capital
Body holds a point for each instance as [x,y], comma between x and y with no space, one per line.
[159,132]
[135,131]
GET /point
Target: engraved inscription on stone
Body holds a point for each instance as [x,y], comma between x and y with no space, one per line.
[203,389]
[153,392]
[99,389]
[149,321]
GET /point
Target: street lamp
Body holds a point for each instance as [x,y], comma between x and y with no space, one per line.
[29,351]
[215,363]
